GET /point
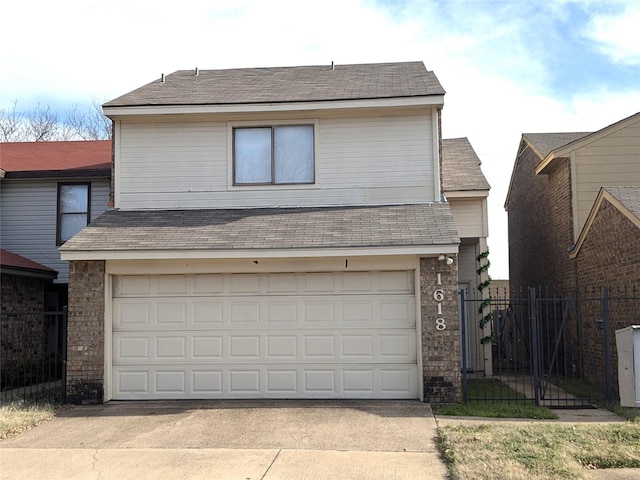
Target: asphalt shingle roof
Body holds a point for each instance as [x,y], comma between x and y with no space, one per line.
[285,84]
[461,167]
[268,228]
[629,196]
[544,143]
[13,260]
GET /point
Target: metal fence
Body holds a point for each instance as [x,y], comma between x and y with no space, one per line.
[33,354]
[544,348]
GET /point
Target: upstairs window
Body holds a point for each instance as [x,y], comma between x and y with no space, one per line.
[275,155]
[73,209]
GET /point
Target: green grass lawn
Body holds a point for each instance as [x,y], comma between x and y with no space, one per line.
[482,403]
[535,451]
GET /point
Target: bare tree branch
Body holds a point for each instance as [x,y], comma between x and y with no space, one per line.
[44,125]
[11,124]
[41,124]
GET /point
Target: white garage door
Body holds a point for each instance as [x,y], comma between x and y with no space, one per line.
[297,335]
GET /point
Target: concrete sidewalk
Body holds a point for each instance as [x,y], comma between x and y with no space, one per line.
[237,440]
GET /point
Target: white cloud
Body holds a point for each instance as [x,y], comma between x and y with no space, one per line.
[617,34]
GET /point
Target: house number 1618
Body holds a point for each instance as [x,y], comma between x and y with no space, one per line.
[438,296]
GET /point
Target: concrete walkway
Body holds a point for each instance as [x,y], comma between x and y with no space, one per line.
[243,440]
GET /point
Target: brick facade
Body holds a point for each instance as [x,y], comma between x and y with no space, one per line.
[609,257]
[441,360]
[540,219]
[610,253]
[22,338]
[22,293]
[86,330]
[85,339]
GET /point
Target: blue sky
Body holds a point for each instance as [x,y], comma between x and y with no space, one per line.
[508,66]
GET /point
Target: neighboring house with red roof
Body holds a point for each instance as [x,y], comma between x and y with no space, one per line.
[50,191]
[278,233]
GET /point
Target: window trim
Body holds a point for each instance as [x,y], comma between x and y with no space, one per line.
[231,128]
[59,213]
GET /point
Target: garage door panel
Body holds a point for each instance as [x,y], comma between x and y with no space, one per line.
[344,311]
[265,284]
[282,346]
[290,335]
[265,381]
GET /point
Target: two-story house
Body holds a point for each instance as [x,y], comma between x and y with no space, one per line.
[554,185]
[277,233]
[574,227]
[50,191]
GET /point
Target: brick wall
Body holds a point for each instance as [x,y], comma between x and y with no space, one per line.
[528,209]
[540,223]
[21,293]
[22,338]
[609,257]
[85,332]
[441,360]
[561,271]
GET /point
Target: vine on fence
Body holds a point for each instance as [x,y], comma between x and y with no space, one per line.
[487,317]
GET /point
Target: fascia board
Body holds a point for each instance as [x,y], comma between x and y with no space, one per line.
[123,111]
[566,150]
[466,193]
[426,250]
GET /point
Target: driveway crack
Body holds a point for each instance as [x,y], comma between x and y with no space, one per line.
[271,465]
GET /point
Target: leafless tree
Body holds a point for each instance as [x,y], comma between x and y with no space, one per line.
[11,124]
[43,125]
[93,125]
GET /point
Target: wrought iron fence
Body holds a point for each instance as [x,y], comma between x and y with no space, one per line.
[544,348]
[33,356]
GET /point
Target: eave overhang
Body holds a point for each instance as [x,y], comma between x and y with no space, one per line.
[115,112]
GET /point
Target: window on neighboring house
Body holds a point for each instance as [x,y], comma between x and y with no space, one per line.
[280,154]
[73,209]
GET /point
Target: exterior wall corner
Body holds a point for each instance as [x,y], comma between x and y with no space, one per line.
[441,354]
[85,332]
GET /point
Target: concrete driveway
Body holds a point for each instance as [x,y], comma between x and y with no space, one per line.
[245,440]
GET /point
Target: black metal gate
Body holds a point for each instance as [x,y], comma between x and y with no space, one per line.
[33,355]
[541,348]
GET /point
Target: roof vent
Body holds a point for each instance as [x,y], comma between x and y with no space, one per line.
[197,72]
[332,67]
[162,78]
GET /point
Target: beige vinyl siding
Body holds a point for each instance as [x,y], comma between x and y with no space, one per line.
[469,215]
[28,220]
[359,160]
[613,160]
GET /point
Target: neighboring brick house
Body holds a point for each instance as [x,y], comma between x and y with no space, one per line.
[50,190]
[555,181]
[607,254]
[277,233]
[572,209]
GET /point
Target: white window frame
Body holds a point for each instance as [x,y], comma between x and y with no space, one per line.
[272,186]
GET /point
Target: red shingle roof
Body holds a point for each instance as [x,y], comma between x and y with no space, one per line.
[55,156]
[14,261]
